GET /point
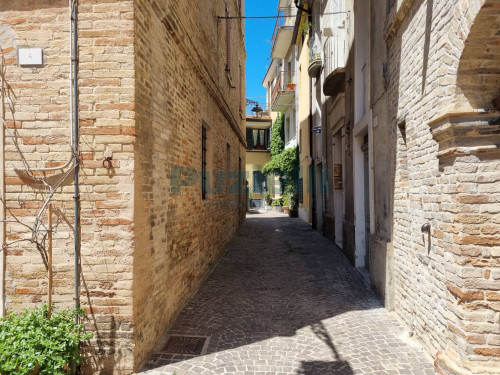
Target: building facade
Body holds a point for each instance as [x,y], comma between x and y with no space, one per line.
[145,100]
[258,137]
[287,84]
[404,159]
[281,77]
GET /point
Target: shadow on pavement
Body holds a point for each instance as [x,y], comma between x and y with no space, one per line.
[323,368]
[276,278]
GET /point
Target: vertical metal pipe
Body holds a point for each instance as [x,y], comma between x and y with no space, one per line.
[2,196]
[49,313]
[76,196]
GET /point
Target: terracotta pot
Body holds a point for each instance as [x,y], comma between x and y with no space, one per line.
[290,86]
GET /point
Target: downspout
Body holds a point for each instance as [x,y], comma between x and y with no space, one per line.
[74,109]
[308,11]
[2,195]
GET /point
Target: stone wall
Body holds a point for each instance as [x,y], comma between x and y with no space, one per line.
[181,85]
[150,74]
[443,282]
[37,112]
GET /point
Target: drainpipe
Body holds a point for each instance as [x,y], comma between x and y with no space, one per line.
[298,6]
[74,109]
[2,196]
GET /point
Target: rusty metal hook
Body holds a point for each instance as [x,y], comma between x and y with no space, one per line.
[106,163]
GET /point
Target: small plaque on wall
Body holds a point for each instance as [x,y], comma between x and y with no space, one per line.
[30,57]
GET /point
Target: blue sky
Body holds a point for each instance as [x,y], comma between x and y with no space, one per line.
[258,46]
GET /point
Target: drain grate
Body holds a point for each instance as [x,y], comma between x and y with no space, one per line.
[187,345]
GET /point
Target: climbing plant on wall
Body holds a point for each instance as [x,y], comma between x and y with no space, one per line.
[278,136]
[284,162]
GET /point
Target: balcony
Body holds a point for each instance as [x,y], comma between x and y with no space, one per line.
[283,91]
[334,50]
[283,31]
[315,56]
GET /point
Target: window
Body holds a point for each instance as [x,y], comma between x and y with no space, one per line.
[241,90]
[258,139]
[257,182]
[300,189]
[203,162]
[402,131]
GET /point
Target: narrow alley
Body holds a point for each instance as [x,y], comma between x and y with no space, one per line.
[284,300]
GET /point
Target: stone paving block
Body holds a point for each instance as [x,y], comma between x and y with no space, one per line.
[284,300]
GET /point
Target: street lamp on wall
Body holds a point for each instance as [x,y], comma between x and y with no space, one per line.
[257,110]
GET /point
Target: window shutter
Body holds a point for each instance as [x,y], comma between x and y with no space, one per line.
[249,139]
[257,182]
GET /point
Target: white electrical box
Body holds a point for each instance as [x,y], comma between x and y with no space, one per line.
[30,56]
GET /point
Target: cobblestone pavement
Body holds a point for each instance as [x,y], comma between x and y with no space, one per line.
[284,300]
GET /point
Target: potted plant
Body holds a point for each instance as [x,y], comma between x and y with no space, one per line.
[286,202]
[267,198]
[276,203]
[306,28]
[291,200]
[290,85]
[293,212]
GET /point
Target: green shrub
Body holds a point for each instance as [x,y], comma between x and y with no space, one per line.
[286,200]
[32,344]
[276,202]
[267,197]
[284,164]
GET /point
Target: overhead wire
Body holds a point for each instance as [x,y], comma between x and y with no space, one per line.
[275,17]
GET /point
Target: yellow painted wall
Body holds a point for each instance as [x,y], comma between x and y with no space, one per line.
[255,160]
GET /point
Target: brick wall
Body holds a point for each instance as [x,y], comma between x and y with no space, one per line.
[107,120]
[38,115]
[179,236]
[443,284]
[148,79]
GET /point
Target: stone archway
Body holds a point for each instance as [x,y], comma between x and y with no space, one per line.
[479,69]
